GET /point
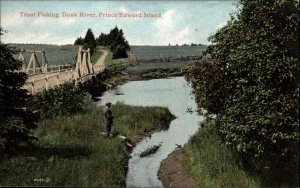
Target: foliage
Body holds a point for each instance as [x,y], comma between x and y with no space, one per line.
[88,41]
[117,42]
[63,100]
[16,122]
[13,131]
[257,114]
[211,89]
[79,41]
[119,52]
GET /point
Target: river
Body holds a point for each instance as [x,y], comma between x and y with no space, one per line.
[174,93]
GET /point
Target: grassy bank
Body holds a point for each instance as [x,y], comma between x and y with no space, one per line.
[211,164]
[72,152]
[97,54]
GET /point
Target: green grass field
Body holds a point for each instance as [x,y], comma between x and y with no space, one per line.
[156,52]
[55,54]
[72,152]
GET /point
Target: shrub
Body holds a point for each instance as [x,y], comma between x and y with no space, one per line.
[13,131]
[63,100]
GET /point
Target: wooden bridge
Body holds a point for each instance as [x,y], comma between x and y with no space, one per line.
[42,77]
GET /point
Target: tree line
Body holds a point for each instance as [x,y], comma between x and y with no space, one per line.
[114,40]
[250,81]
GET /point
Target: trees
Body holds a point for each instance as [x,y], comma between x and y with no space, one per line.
[117,42]
[256,93]
[114,39]
[88,41]
[17,122]
[79,41]
[102,40]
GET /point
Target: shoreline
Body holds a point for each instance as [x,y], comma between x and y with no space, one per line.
[136,140]
[172,173]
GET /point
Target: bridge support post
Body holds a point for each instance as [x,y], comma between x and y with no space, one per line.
[89,62]
[44,62]
[33,61]
[84,64]
[78,62]
[21,58]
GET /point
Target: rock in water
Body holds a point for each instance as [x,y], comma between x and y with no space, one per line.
[150,151]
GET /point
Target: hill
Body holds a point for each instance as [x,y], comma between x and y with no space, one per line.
[56,54]
[156,52]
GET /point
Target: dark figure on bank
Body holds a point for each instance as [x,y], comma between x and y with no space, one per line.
[108,118]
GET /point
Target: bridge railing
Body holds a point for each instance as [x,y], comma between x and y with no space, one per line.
[51,80]
[46,76]
[35,85]
[49,69]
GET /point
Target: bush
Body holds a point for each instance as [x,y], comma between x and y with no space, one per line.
[211,90]
[63,100]
[13,131]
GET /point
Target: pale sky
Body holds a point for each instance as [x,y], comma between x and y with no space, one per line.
[180,22]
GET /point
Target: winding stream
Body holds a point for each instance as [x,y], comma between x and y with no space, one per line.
[174,93]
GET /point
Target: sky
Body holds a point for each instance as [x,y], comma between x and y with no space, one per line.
[178,22]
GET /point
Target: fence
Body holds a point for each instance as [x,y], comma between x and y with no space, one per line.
[165,59]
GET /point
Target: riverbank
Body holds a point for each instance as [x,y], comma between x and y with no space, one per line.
[204,162]
[72,152]
[173,174]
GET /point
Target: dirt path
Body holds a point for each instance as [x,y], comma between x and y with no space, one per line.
[101,60]
[172,174]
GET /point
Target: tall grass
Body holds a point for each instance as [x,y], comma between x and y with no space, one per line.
[135,120]
[72,152]
[211,164]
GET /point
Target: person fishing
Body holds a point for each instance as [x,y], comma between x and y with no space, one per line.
[108,118]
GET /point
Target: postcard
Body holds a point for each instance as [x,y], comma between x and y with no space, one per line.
[149,93]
